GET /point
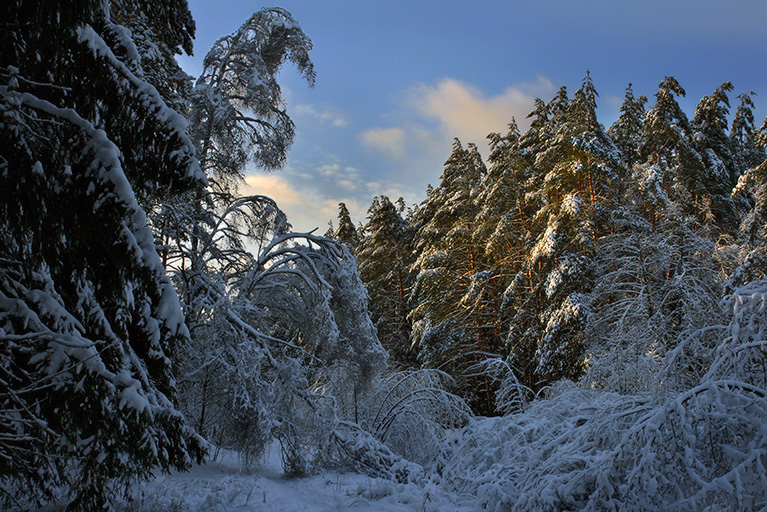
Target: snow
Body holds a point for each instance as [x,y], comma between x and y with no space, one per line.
[224,485]
[169,117]
[547,243]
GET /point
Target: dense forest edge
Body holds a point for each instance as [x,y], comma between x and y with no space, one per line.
[574,322]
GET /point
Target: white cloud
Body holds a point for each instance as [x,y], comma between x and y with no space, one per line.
[464,111]
[274,186]
[310,199]
[326,115]
[300,207]
[450,109]
[339,176]
[389,141]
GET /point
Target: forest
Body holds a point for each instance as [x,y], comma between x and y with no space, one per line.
[575,321]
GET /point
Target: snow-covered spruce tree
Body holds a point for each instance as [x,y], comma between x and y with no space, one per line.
[453,321]
[384,257]
[160,30]
[88,320]
[502,203]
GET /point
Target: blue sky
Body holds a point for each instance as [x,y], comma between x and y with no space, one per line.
[397,80]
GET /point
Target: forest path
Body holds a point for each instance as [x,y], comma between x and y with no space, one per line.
[224,485]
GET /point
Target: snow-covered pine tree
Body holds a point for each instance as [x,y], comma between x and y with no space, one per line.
[514,167]
[744,134]
[384,257]
[89,322]
[558,107]
[450,315]
[548,297]
[715,147]
[626,132]
[671,169]
[750,193]
[502,201]
[752,189]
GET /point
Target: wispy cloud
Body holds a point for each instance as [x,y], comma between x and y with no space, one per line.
[326,115]
[430,116]
[304,209]
[389,141]
[310,196]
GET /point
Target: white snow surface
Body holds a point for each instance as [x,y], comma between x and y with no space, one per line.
[225,485]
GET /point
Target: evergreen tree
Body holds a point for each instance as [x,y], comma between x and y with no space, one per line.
[626,132]
[558,106]
[500,199]
[450,325]
[160,30]
[504,227]
[751,195]
[546,302]
[89,323]
[672,170]
[384,257]
[713,144]
[744,135]
[581,159]
[503,216]
[753,186]
[346,232]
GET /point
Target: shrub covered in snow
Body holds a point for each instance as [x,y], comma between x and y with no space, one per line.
[703,447]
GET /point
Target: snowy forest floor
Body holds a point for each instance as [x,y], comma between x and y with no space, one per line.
[224,485]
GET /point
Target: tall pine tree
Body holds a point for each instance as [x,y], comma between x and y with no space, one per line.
[715,147]
[385,256]
[626,132]
[346,232]
[671,176]
[450,325]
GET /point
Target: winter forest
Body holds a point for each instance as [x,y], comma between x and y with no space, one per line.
[575,321]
